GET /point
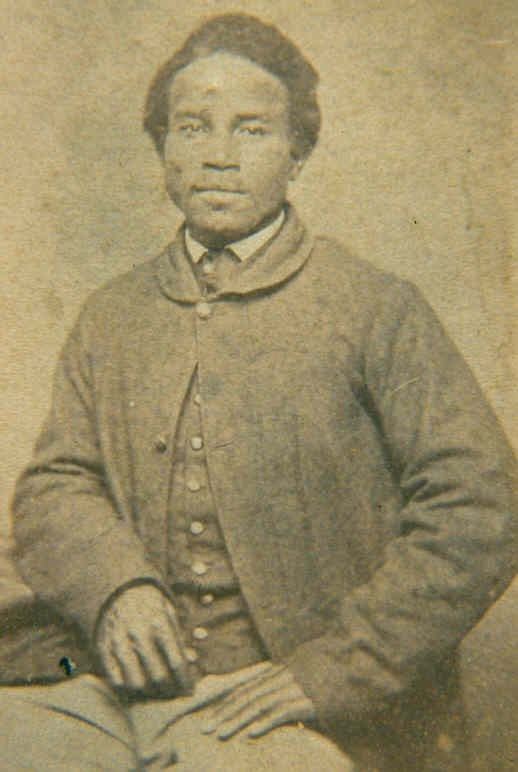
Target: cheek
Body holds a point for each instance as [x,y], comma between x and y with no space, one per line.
[177,173]
[275,180]
[172,169]
[179,158]
[175,183]
[172,176]
[269,169]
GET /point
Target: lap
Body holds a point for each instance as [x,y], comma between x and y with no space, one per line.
[76,724]
[295,748]
[80,724]
[171,731]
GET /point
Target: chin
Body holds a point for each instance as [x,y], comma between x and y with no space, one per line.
[222,225]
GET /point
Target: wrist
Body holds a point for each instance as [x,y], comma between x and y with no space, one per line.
[111,600]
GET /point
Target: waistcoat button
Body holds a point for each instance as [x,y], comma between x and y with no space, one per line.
[197,443]
[196,527]
[191,655]
[203,309]
[199,568]
[200,633]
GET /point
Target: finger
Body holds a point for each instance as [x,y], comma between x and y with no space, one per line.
[237,719]
[260,708]
[229,682]
[169,651]
[171,632]
[112,669]
[210,689]
[278,677]
[171,615]
[130,665]
[153,664]
[287,713]
[251,684]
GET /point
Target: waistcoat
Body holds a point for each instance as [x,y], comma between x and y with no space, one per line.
[218,629]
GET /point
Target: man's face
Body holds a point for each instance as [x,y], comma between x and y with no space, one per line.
[228,154]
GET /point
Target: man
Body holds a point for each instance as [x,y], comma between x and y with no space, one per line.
[269,492]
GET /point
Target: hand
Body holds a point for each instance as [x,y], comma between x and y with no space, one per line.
[152,726]
[139,644]
[271,699]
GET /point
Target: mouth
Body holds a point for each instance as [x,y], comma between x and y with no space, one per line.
[217,190]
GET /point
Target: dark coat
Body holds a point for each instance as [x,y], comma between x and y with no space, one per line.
[362,482]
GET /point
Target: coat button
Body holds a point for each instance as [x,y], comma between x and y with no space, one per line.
[200,633]
[203,309]
[196,527]
[197,399]
[196,442]
[161,444]
[207,599]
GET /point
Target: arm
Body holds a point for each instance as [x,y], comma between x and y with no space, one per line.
[457,548]
[75,544]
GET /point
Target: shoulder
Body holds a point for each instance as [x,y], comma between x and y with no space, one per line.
[366,290]
[350,270]
[137,283]
[124,297]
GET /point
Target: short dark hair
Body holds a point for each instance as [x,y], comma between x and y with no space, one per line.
[246,36]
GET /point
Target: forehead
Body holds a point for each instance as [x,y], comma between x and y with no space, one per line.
[227,79]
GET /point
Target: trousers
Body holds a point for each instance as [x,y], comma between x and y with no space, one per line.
[81,724]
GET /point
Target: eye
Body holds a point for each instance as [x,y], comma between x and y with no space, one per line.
[190,128]
[252,130]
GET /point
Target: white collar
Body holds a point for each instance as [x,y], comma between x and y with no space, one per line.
[243,248]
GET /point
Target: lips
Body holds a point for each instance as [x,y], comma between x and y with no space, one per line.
[217,189]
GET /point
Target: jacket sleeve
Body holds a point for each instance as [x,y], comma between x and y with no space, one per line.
[74,548]
[456,547]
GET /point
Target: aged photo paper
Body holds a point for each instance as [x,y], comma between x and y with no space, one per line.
[269,520]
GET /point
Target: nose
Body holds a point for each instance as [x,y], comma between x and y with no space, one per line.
[220,151]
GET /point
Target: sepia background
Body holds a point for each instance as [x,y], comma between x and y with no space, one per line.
[414,171]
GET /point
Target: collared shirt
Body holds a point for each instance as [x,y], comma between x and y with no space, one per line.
[244,248]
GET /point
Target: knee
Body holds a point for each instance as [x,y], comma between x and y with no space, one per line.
[299,748]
